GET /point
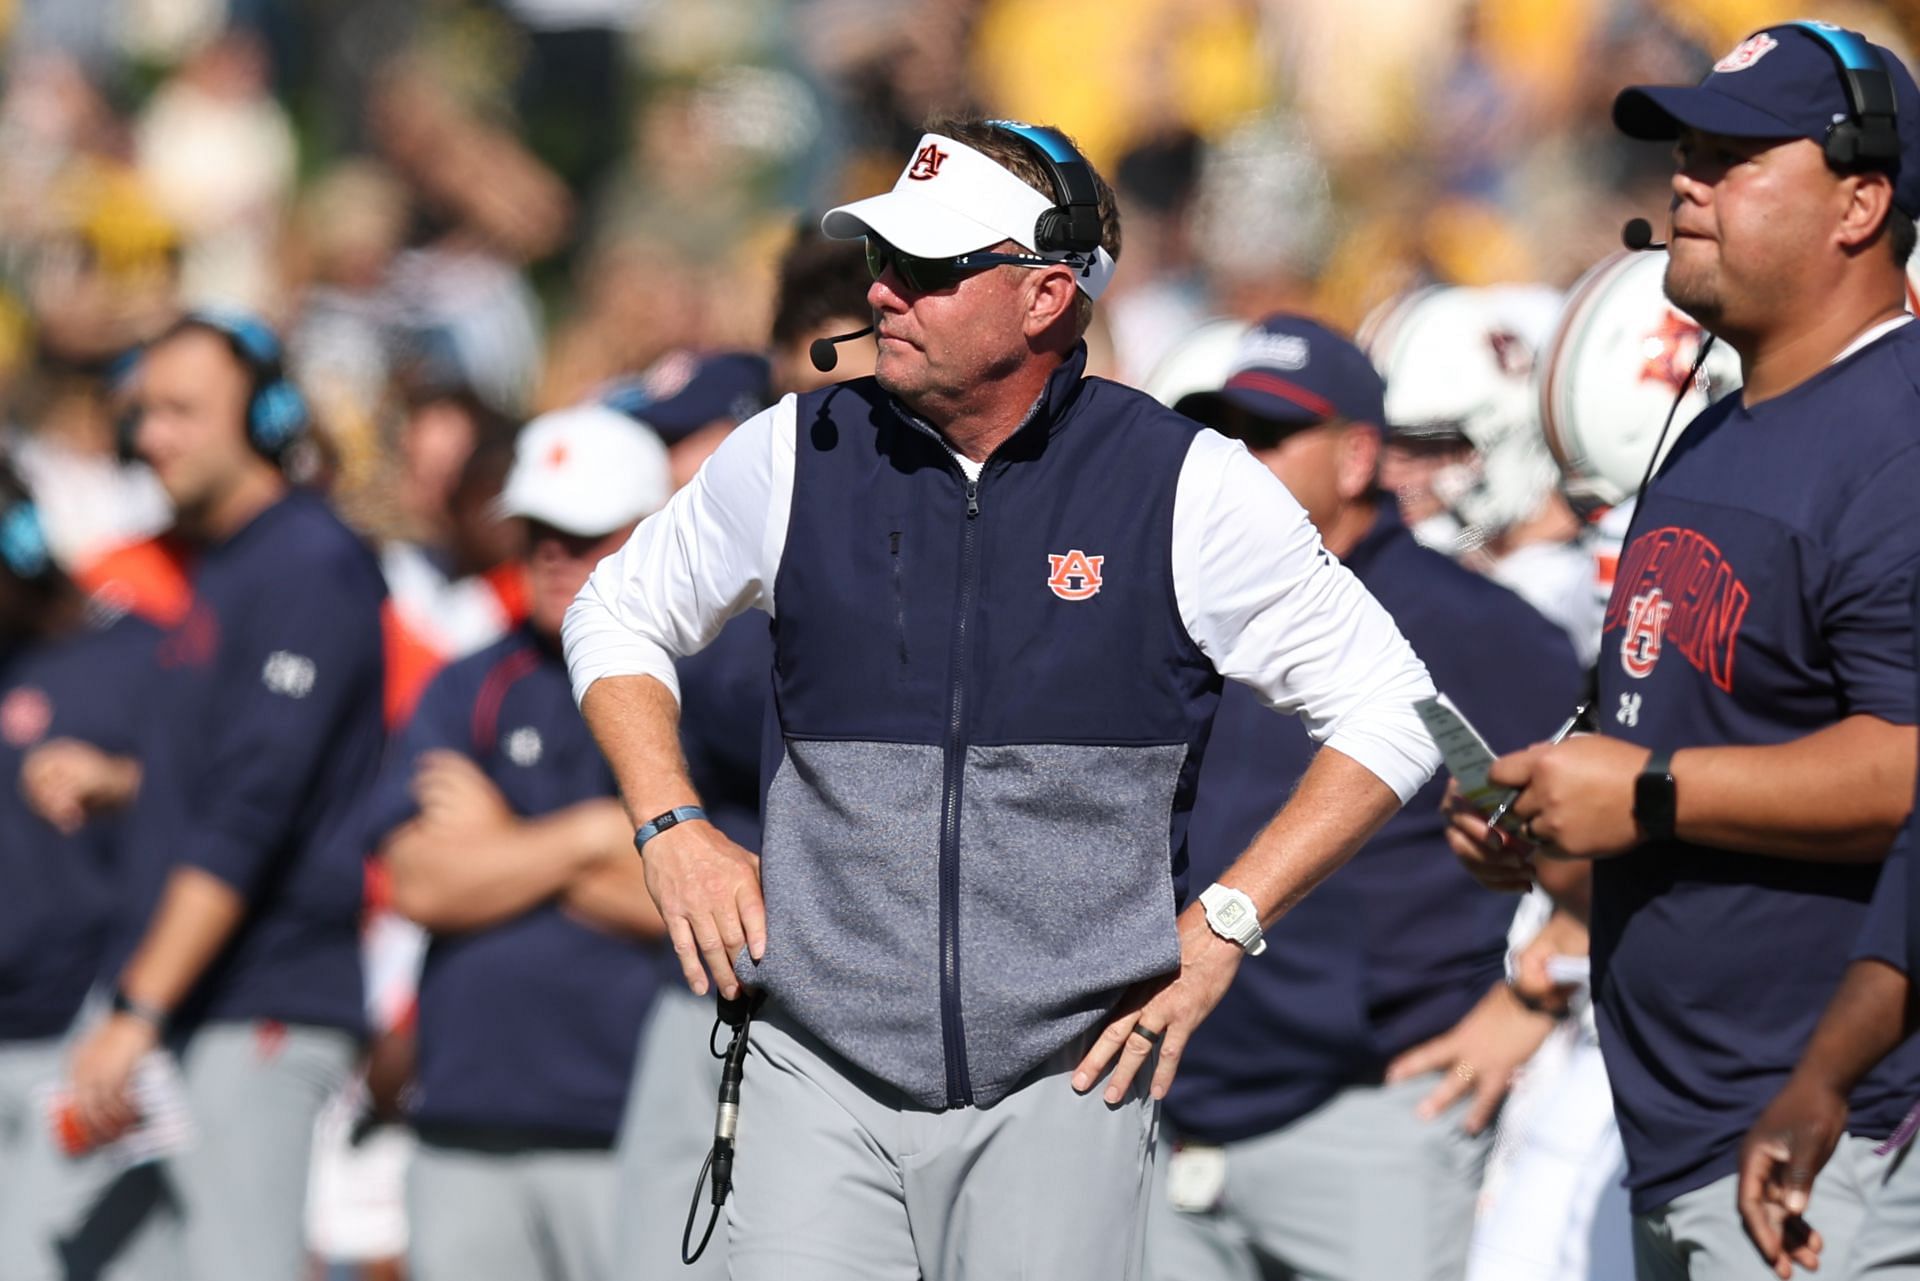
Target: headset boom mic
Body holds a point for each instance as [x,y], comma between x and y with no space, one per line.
[821,350]
[1638,235]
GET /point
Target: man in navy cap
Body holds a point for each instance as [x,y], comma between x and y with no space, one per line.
[1756,676]
[1332,1117]
[693,400]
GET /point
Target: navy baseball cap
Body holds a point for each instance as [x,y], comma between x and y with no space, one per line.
[1781,82]
[684,391]
[1293,372]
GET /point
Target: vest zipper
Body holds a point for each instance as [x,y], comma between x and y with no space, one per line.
[899,597]
[952,1025]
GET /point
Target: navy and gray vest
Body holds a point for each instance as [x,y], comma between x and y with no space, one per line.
[991,717]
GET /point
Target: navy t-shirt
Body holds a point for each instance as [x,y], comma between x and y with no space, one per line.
[57,908]
[265,739]
[1396,947]
[528,1026]
[1884,936]
[1763,595]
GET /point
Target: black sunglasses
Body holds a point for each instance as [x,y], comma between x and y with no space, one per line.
[933,275]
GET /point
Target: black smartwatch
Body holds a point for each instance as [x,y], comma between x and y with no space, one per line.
[1654,800]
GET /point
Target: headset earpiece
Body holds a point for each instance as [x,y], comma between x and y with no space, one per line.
[276,411]
[1073,224]
[1869,138]
[23,541]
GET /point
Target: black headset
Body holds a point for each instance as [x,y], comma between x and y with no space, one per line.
[1072,226]
[1869,137]
[276,411]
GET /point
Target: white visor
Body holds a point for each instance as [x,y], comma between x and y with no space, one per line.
[952,200]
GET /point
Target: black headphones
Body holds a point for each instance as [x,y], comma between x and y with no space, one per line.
[276,411]
[1869,137]
[1072,226]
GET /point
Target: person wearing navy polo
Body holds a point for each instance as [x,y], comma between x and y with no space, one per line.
[240,940]
[1005,596]
[1308,1130]
[498,819]
[1756,677]
[72,689]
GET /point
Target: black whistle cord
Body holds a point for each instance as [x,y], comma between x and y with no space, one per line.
[737,1014]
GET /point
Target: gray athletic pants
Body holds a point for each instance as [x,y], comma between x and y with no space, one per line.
[1866,1208]
[664,1137]
[232,1206]
[1360,1189]
[520,1216]
[43,1192]
[840,1178]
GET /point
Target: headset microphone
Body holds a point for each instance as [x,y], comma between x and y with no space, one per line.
[820,351]
[1638,235]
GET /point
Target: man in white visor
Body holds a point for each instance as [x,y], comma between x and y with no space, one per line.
[1004,597]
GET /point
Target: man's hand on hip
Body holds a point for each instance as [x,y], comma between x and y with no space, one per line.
[708,891]
[1163,1012]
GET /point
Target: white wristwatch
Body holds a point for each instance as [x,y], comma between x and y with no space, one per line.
[1232,915]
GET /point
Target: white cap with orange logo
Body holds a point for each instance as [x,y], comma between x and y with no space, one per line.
[586,470]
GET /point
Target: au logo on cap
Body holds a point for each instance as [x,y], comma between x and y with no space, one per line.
[926,164]
[1748,52]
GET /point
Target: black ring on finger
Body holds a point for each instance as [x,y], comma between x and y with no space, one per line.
[1148,1035]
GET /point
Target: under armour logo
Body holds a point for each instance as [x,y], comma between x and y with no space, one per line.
[1074,576]
[1629,713]
[926,163]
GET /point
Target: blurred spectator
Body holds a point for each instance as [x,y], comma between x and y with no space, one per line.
[219,152]
[453,585]
[73,685]
[822,293]
[693,400]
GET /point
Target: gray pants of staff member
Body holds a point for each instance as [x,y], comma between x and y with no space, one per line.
[522,1216]
[837,1176]
[232,1206]
[1888,1247]
[1697,1236]
[664,1137]
[1358,1189]
[43,1192]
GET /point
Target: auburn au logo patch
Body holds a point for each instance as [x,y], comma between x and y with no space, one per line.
[1074,576]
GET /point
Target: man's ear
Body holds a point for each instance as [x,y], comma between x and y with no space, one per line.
[1359,459]
[1052,294]
[1869,201]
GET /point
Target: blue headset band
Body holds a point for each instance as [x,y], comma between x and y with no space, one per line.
[1869,87]
[255,341]
[23,540]
[1073,179]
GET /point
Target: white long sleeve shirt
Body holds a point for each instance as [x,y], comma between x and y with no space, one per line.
[1258,594]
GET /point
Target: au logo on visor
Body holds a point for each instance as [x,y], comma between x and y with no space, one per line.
[926,163]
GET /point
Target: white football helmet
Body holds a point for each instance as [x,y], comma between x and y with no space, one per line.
[1200,362]
[1457,367]
[1608,377]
